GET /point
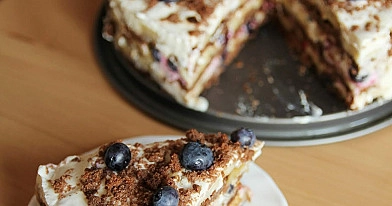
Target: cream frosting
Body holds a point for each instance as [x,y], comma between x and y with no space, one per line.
[364,29]
[175,38]
[73,167]
[191,34]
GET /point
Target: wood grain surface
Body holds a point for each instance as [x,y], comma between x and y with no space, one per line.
[54,102]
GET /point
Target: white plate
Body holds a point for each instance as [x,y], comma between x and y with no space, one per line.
[265,191]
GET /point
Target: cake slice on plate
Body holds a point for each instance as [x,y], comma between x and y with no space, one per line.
[182,44]
[198,169]
[349,42]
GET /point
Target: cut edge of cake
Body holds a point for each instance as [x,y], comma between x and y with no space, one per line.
[349,43]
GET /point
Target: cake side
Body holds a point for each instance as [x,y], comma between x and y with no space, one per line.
[182,45]
[87,180]
[349,42]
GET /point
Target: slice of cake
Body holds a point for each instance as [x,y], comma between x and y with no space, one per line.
[182,44]
[198,169]
[349,42]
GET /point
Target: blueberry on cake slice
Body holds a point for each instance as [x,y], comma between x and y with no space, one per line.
[348,41]
[197,169]
[182,44]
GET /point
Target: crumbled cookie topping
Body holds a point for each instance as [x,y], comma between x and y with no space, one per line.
[151,167]
[60,184]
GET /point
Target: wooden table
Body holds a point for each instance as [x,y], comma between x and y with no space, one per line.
[54,102]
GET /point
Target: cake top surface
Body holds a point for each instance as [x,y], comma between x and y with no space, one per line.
[365,25]
[361,15]
[189,12]
[85,179]
[182,28]
[185,20]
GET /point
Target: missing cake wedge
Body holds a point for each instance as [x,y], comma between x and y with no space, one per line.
[182,45]
[197,169]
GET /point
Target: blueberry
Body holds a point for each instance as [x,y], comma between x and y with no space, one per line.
[156,54]
[196,156]
[250,27]
[117,156]
[166,196]
[231,189]
[222,39]
[246,137]
[355,76]
[172,66]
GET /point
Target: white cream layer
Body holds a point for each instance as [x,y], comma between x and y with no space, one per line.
[75,169]
[174,38]
[365,28]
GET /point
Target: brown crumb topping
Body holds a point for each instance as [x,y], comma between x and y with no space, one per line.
[151,167]
[350,6]
[60,184]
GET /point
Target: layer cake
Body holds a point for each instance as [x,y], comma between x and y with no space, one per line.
[185,44]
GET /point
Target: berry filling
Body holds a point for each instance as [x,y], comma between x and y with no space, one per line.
[168,66]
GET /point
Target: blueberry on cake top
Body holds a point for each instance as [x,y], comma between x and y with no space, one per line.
[197,169]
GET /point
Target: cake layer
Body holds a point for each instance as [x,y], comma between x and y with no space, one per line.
[87,180]
[230,195]
[242,196]
[349,42]
[182,45]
